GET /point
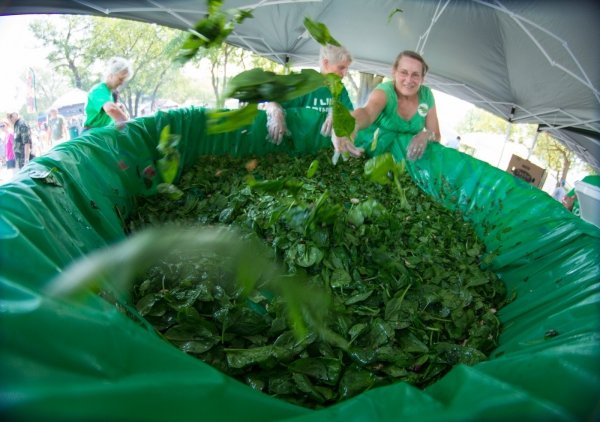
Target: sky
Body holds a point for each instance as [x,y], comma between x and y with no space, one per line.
[20,51]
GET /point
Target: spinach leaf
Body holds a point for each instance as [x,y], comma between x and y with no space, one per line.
[319,32]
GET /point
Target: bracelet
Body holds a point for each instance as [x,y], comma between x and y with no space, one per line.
[430,135]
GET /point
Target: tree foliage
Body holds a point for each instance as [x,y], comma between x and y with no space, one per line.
[557,157]
[219,59]
[151,48]
[225,62]
[478,120]
[48,84]
[67,38]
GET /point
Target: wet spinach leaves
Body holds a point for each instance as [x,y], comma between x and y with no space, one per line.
[408,297]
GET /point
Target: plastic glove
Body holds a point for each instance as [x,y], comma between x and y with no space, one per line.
[344,146]
[568,202]
[327,124]
[276,126]
[417,146]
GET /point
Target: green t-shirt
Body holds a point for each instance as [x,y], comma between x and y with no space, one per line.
[99,95]
[395,133]
[57,127]
[320,99]
[592,179]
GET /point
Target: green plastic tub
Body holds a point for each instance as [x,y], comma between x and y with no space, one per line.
[86,361]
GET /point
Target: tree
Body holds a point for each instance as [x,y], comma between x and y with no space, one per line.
[478,120]
[151,48]
[368,82]
[67,37]
[556,156]
[220,61]
[49,86]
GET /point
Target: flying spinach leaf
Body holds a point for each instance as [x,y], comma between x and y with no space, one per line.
[230,120]
[393,12]
[211,31]
[343,122]
[319,32]
[258,85]
[384,169]
[168,164]
[312,169]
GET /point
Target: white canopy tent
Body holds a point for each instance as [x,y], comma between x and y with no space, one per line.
[71,103]
[72,97]
[527,61]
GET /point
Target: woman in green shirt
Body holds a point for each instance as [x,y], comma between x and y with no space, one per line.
[400,115]
[101,108]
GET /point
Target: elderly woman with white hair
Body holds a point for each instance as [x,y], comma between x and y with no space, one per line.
[333,59]
[102,108]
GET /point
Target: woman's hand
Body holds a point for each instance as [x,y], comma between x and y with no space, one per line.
[568,201]
[276,126]
[121,107]
[418,144]
[327,125]
[343,145]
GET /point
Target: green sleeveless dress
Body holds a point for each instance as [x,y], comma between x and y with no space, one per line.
[390,132]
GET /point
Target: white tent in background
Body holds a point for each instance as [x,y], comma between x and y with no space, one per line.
[71,103]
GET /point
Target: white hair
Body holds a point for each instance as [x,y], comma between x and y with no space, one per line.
[117,65]
[334,54]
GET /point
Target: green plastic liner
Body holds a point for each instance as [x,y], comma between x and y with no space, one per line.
[86,361]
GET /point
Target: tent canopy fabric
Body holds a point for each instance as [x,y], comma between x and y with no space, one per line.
[527,61]
[71,103]
[72,97]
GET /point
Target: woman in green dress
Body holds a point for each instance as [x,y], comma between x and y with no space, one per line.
[399,117]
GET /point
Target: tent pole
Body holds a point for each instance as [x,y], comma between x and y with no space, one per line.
[507,137]
[535,139]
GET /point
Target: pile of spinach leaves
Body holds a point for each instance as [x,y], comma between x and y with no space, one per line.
[408,297]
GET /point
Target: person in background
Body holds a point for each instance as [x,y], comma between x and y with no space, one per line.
[559,191]
[102,107]
[400,115]
[454,143]
[9,153]
[332,59]
[3,136]
[570,200]
[22,145]
[57,127]
[74,127]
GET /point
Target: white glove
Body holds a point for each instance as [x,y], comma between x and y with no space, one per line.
[327,124]
[343,146]
[276,126]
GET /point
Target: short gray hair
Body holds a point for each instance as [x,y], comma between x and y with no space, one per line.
[117,65]
[334,54]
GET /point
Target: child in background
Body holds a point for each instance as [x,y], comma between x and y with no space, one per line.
[9,152]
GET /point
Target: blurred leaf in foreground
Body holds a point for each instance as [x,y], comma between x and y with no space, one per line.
[211,31]
[319,32]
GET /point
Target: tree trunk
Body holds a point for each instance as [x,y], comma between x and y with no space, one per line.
[368,82]
[566,166]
